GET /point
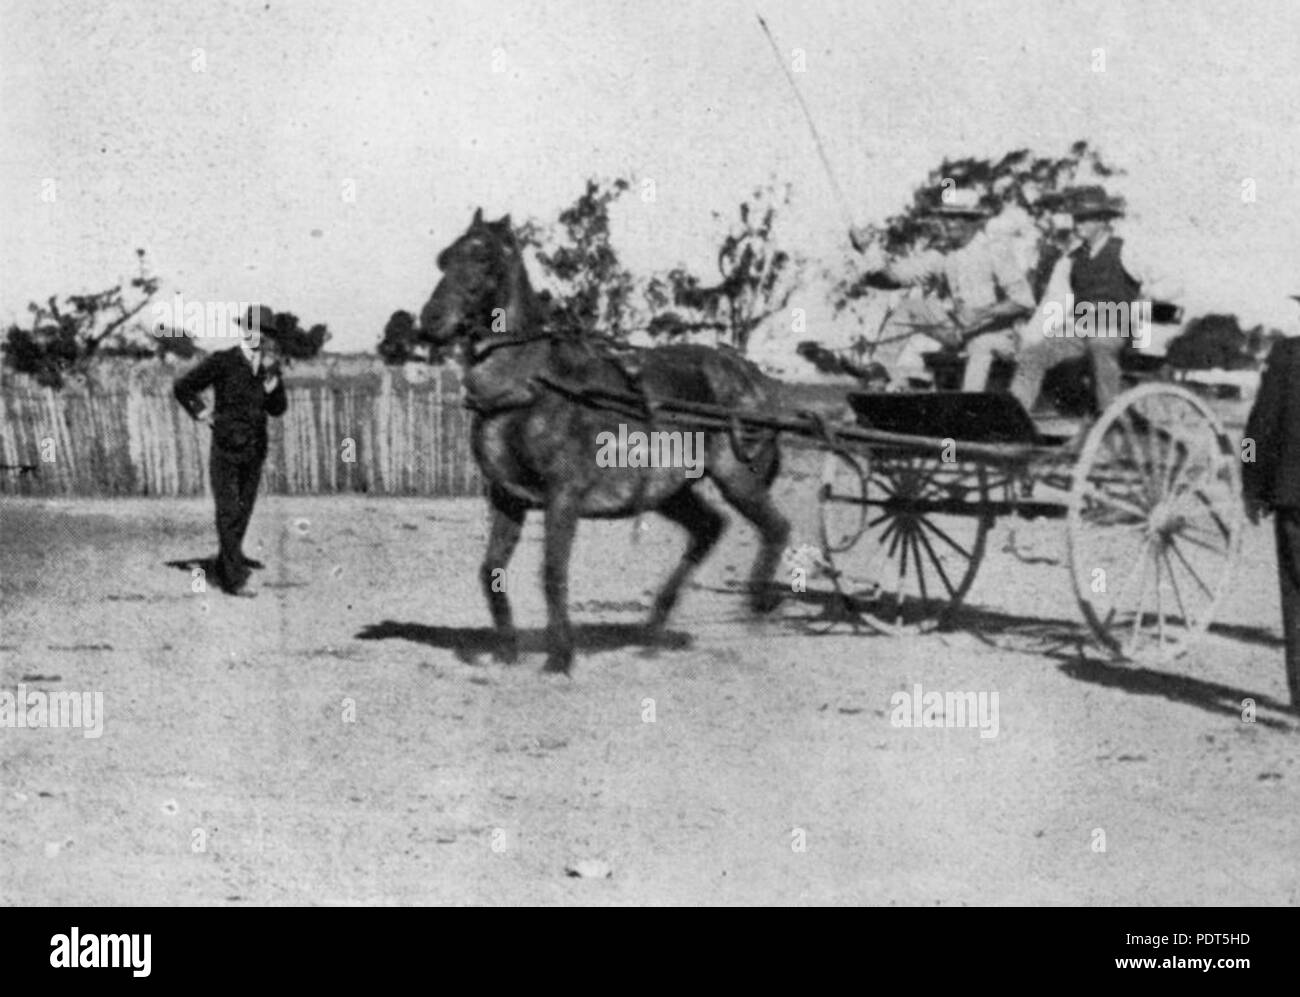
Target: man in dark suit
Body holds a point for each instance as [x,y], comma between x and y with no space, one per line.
[246,389]
[1271,483]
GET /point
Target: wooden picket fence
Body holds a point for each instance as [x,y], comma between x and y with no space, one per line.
[376,434]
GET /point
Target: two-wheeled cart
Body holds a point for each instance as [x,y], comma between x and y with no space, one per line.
[911,487]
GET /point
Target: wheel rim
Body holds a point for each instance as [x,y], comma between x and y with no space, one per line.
[842,510]
[1154,523]
[911,565]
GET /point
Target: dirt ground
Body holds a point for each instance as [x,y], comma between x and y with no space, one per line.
[345,738]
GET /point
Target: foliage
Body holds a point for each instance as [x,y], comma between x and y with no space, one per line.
[294,342]
[587,287]
[758,278]
[65,338]
[1021,178]
[1215,340]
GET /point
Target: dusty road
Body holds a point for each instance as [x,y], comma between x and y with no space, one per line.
[345,738]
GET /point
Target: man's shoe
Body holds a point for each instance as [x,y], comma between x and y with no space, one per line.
[253,563]
[243,592]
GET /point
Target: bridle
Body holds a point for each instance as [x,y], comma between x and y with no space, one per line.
[479,348]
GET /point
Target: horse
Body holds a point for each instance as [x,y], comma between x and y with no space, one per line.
[539,447]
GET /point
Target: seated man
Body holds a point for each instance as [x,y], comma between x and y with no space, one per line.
[1099,276]
[983,291]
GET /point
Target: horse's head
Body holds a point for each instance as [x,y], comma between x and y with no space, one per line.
[480,287]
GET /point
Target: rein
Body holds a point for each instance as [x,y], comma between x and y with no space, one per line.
[478,350]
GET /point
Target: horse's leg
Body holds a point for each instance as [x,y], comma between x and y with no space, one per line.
[562,510]
[746,489]
[705,525]
[507,523]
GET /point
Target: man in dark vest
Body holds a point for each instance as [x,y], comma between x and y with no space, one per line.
[1099,277]
[1271,484]
[246,389]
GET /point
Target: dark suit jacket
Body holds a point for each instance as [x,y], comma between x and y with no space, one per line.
[241,403]
[1273,477]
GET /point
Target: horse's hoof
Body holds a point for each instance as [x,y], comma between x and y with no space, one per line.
[558,664]
[766,599]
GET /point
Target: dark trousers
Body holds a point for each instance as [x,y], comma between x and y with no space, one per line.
[234,486]
[1287,529]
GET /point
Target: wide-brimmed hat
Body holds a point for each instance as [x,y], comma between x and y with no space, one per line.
[1091,202]
[259,318]
[961,202]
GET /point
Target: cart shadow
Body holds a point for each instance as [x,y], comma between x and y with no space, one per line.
[471,643]
[1213,697]
[1069,643]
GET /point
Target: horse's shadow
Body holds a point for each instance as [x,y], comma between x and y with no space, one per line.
[469,644]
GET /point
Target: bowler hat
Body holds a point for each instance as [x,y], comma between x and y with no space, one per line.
[259,317]
[1092,202]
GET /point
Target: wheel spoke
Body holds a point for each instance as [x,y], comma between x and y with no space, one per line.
[1188,621]
[1173,545]
[1128,582]
[1160,603]
[947,539]
[920,570]
[938,565]
[1202,543]
[1115,502]
[896,529]
[1137,615]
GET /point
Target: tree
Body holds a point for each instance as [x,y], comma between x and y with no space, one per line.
[65,338]
[587,288]
[401,338]
[1021,178]
[293,341]
[758,278]
[1215,341]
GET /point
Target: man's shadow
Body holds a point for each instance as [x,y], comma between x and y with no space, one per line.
[207,564]
[470,643]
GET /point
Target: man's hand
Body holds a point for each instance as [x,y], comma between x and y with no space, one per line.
[204,416]
[271,378]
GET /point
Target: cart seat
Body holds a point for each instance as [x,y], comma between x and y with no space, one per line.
[972,416]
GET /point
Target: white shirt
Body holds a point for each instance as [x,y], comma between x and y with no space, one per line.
[254,357]
[975,273]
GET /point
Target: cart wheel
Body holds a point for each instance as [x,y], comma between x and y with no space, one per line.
[919,531]
[1154,522]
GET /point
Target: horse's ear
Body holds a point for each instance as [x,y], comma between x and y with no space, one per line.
[478,217]
[505,223]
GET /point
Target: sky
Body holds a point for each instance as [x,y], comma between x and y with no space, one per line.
[315,156]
